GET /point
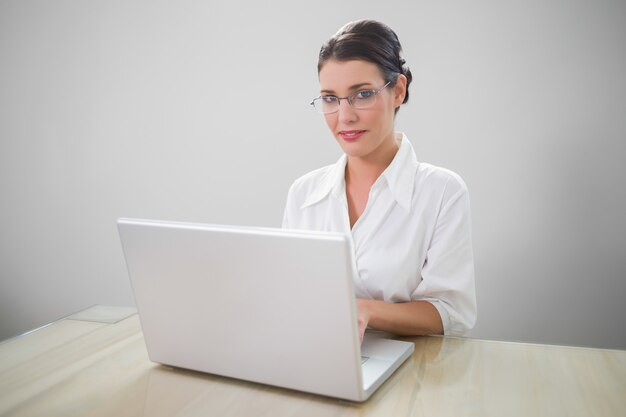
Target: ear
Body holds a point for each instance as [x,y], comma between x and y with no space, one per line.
[399,90]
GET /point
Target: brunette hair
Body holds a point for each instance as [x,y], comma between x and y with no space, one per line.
[371,41]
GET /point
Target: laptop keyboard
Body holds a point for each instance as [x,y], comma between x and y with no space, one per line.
[364,359]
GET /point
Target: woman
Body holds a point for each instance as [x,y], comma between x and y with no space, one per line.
[409,221]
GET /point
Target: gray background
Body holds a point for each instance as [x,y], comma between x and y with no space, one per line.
[198,111]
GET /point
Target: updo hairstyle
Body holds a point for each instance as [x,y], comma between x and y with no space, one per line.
[371,41]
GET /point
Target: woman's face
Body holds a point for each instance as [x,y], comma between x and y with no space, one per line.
[361,133]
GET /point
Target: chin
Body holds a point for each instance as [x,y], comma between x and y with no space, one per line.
[353,150]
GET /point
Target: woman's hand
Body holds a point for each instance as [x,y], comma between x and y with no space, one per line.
[363,313]
[412,318]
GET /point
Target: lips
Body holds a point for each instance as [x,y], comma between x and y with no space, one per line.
[351,135]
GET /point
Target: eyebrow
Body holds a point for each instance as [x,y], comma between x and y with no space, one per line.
[353,87]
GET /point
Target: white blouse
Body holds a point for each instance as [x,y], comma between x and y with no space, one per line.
[412,241]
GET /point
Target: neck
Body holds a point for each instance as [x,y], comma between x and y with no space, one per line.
[367,169]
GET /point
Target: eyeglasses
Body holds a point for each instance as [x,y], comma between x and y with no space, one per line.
[360,100]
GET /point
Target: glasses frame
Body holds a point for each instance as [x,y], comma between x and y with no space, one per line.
[348,99]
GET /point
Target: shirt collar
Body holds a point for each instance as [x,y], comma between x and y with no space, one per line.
[400,176]
[332,182]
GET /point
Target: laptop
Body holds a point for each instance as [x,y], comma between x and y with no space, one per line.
[271,306]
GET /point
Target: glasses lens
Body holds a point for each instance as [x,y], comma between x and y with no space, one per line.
[364,99]
[326,104]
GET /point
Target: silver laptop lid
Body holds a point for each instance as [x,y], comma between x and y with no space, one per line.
[265,305]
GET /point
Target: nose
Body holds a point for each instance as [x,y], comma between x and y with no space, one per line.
[346,113]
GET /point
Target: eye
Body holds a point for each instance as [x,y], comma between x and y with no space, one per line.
[328,99]
[364,94]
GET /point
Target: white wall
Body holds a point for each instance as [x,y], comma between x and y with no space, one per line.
[198,110]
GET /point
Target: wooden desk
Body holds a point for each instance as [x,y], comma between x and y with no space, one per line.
[91,364]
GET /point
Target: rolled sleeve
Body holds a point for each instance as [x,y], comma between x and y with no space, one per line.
[448,272]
